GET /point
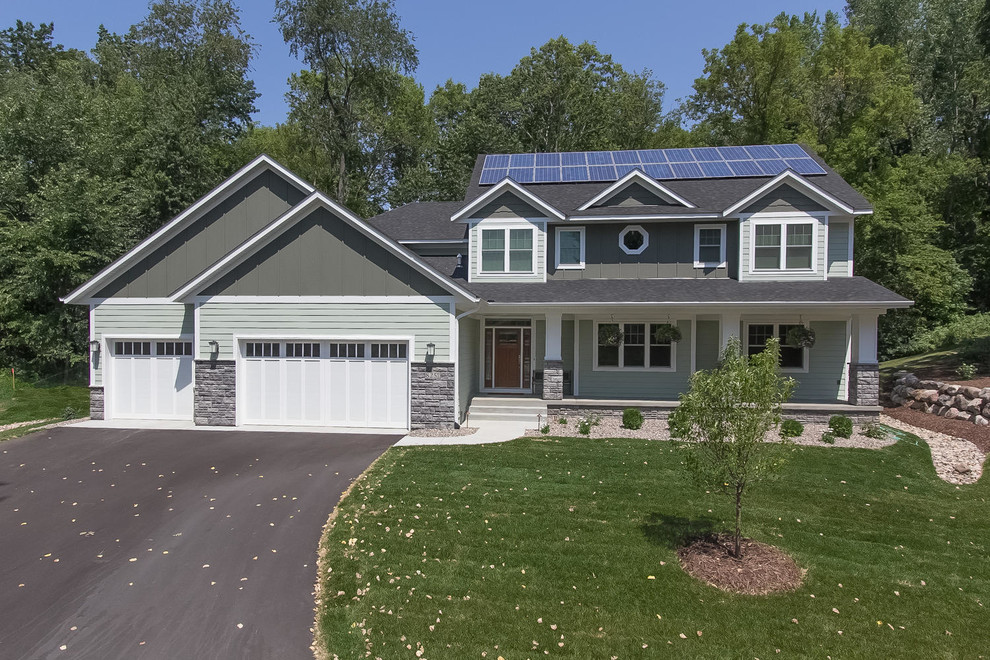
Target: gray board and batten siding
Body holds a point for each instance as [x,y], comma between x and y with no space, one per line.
[322,255]
[839,262]
[208,239]
[635,195]
[670,252]
[784,198]
[508,205]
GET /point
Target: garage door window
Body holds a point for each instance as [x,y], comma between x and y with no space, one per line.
[388,351]
[346,350]
[302,350]
[131,348]
[173,348]
[263,349]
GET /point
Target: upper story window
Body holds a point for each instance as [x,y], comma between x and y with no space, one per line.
[784,244]
[709,246]
[570,247]
[634,239]
[757,335]
[507,250]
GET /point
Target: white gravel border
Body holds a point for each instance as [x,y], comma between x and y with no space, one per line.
[442,433]
[956,460]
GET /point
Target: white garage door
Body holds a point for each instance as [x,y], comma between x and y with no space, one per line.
[151,379]
[325,383]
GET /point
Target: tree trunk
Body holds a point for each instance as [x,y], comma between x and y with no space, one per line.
[736,539]
[342,179]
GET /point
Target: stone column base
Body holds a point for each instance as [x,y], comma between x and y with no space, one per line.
[432,396]
[864,384]
[553,380]
[96,403]
[215,393]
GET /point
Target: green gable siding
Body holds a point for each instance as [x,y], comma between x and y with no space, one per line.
[784,198]
[164,321]
[825,380]
[426,321]
[838,250]
[208,239]
[468,364]
[322,255]
[707,340]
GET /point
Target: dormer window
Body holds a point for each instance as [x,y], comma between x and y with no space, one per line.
[634,240]
[784,244]
[507,250]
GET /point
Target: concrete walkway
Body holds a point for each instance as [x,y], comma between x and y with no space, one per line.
[488,432]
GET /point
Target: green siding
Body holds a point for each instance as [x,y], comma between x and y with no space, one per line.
[838,250]
[670,253]
[428,322]
[539,246]
[633,384]
[784,198]
[468,363]
[322,255]
[707,340]
[165,321]
[208,239]
[825,380]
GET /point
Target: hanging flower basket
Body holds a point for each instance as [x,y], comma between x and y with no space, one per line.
[801,337]
[609,335]
[667,334]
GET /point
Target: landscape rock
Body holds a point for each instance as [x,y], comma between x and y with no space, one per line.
[980,420]
[929,384]
[961,469]
[975,406]
[959,402]
[971,392]
[951,390]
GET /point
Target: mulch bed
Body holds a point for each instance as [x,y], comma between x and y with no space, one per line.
[762,569]
[978,435]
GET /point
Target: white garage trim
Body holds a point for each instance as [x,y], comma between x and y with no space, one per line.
[279,337]
[108,360]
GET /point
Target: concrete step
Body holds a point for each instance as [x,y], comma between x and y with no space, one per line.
[527,417]
[509,401]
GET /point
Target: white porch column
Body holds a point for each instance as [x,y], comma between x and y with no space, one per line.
[729,328]
[553,361]
[864,371]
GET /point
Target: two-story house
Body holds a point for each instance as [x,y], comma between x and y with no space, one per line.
[592,280]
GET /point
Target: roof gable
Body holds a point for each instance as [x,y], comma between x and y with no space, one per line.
[784,198]
[507,185]
[244,203]
[799,183]
[635,188]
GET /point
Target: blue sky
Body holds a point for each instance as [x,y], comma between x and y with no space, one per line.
[462,39]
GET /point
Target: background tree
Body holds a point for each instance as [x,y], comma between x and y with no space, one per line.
[725,417]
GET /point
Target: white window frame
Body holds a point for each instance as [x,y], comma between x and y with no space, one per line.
[805,356]
[630,228]
[621,323]
[505,264]
[783,220]
[556,244]
[698,263]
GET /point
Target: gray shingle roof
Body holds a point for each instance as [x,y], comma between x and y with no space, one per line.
[421,221]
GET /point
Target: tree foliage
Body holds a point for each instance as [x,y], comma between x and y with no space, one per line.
[725,418]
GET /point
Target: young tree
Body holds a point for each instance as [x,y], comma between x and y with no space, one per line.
[725,417]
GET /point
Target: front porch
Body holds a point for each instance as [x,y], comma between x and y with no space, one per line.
[563,358]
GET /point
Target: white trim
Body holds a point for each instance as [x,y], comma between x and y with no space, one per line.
[556,248]
[445,241]
[576,371]
[144,336]
[481,349]
[168,229]
[133,301]
[875,304]
[351,300]
[287,220]
[197,354]
[722,263]
[694,343]
[500,187]
[783,219]
[99,352]
[654,217]
[506,248]
[776,323]
[646,345]
[849,348]
[642,248]
[789,176]
[852,228]
[636,176]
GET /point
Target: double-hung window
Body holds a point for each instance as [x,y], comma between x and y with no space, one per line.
[784,245]
[507,250]
[759,333]
[570,247]
[632,346]
[709,246]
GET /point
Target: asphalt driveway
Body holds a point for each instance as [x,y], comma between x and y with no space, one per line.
[166,544]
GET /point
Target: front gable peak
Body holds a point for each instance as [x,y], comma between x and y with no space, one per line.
[507,186]
[637,180]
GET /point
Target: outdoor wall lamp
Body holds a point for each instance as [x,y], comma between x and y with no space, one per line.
[214,346]
[94,346]
[431,350]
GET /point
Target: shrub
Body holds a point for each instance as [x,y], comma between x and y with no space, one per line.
[632,419]
[791,428]
[828,438]
[966,371]
[585,425]
[976,351]
[841,426]
[875,431]
[562,420]
[944,337]
[69,413]
[545,429]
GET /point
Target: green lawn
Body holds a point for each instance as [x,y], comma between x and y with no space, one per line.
[33,401]
[509,550]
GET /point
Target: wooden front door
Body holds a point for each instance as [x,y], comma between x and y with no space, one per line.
[508,358]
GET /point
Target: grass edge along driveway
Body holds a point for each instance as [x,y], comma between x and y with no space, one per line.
[565,548]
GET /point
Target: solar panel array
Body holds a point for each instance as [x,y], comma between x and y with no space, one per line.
[694,163]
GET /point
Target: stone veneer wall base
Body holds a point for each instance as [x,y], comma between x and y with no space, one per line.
[803,415]
[864,384]
[215,393]
[432,397]
[553,380]
[97,397]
